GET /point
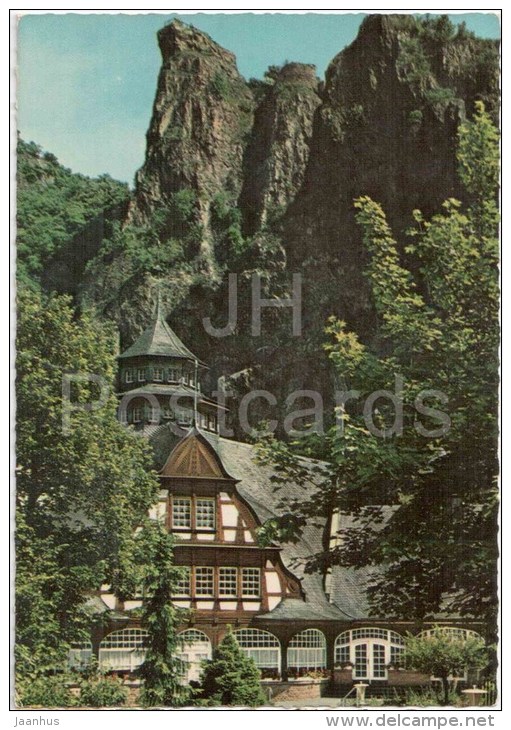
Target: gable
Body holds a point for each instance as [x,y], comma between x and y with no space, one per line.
[194,457]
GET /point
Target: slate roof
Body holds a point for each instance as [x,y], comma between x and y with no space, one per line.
[256,487]
[159,339]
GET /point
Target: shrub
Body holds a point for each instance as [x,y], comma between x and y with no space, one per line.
[103,692]
[415,117]
[46,692]
[231,678]
[221,86]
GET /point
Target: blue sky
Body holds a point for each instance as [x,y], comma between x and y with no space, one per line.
[86,82]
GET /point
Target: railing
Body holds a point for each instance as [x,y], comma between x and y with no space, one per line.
[342,703]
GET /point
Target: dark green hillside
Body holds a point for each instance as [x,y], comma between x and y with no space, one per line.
[61,217]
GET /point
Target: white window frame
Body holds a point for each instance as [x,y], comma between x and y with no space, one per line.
[141,375]
[247,591]
[153,415]
[79,655]
[261,646]
[211,527]
[203,570]
[361,645]
[128,376]
[182,501]
[307,651]
[173,375]
[158,374]
[233,573]
[123,649]
[136,414]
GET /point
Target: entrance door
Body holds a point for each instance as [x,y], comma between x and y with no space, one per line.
[369,661]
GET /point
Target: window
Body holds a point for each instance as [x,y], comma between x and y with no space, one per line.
[123,649]
[153,414]
[361,661]
[129,376]
[452,631]
[184,416]
[174,375]
[183,584]
[227,582]
[136,414]
[250,582]
[194,649]
[141,375]
[370,650]
[79,655]
[307,650]
[204,514]
[182,512]
[158,374]
[261,646]
[204,582]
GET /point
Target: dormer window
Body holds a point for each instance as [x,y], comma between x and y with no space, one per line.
[141,375]
[158,374]
[128,377]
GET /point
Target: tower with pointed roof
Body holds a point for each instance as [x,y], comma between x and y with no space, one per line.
[159,381]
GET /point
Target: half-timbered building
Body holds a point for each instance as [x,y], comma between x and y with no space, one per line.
[214,494]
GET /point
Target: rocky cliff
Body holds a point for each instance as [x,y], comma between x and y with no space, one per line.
[261,176]
[387,126]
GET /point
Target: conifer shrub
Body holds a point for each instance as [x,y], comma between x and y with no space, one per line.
[231,678]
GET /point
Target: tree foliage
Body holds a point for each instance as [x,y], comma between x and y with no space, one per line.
[81,493]
[444,655]
[418,479]
[53,206]
[162,670]
[231,678]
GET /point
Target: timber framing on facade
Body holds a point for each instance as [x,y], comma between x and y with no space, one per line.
[214,495]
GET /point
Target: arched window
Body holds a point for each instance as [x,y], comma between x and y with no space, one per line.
[123,650]
[79,654]
[194,648]
[307,651]
[261,646]
[453,631]
[369,650]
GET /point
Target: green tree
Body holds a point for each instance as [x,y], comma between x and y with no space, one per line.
[81,492]
[162,670]
[54,205]
[232,678]
[444,655]
[422,498]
